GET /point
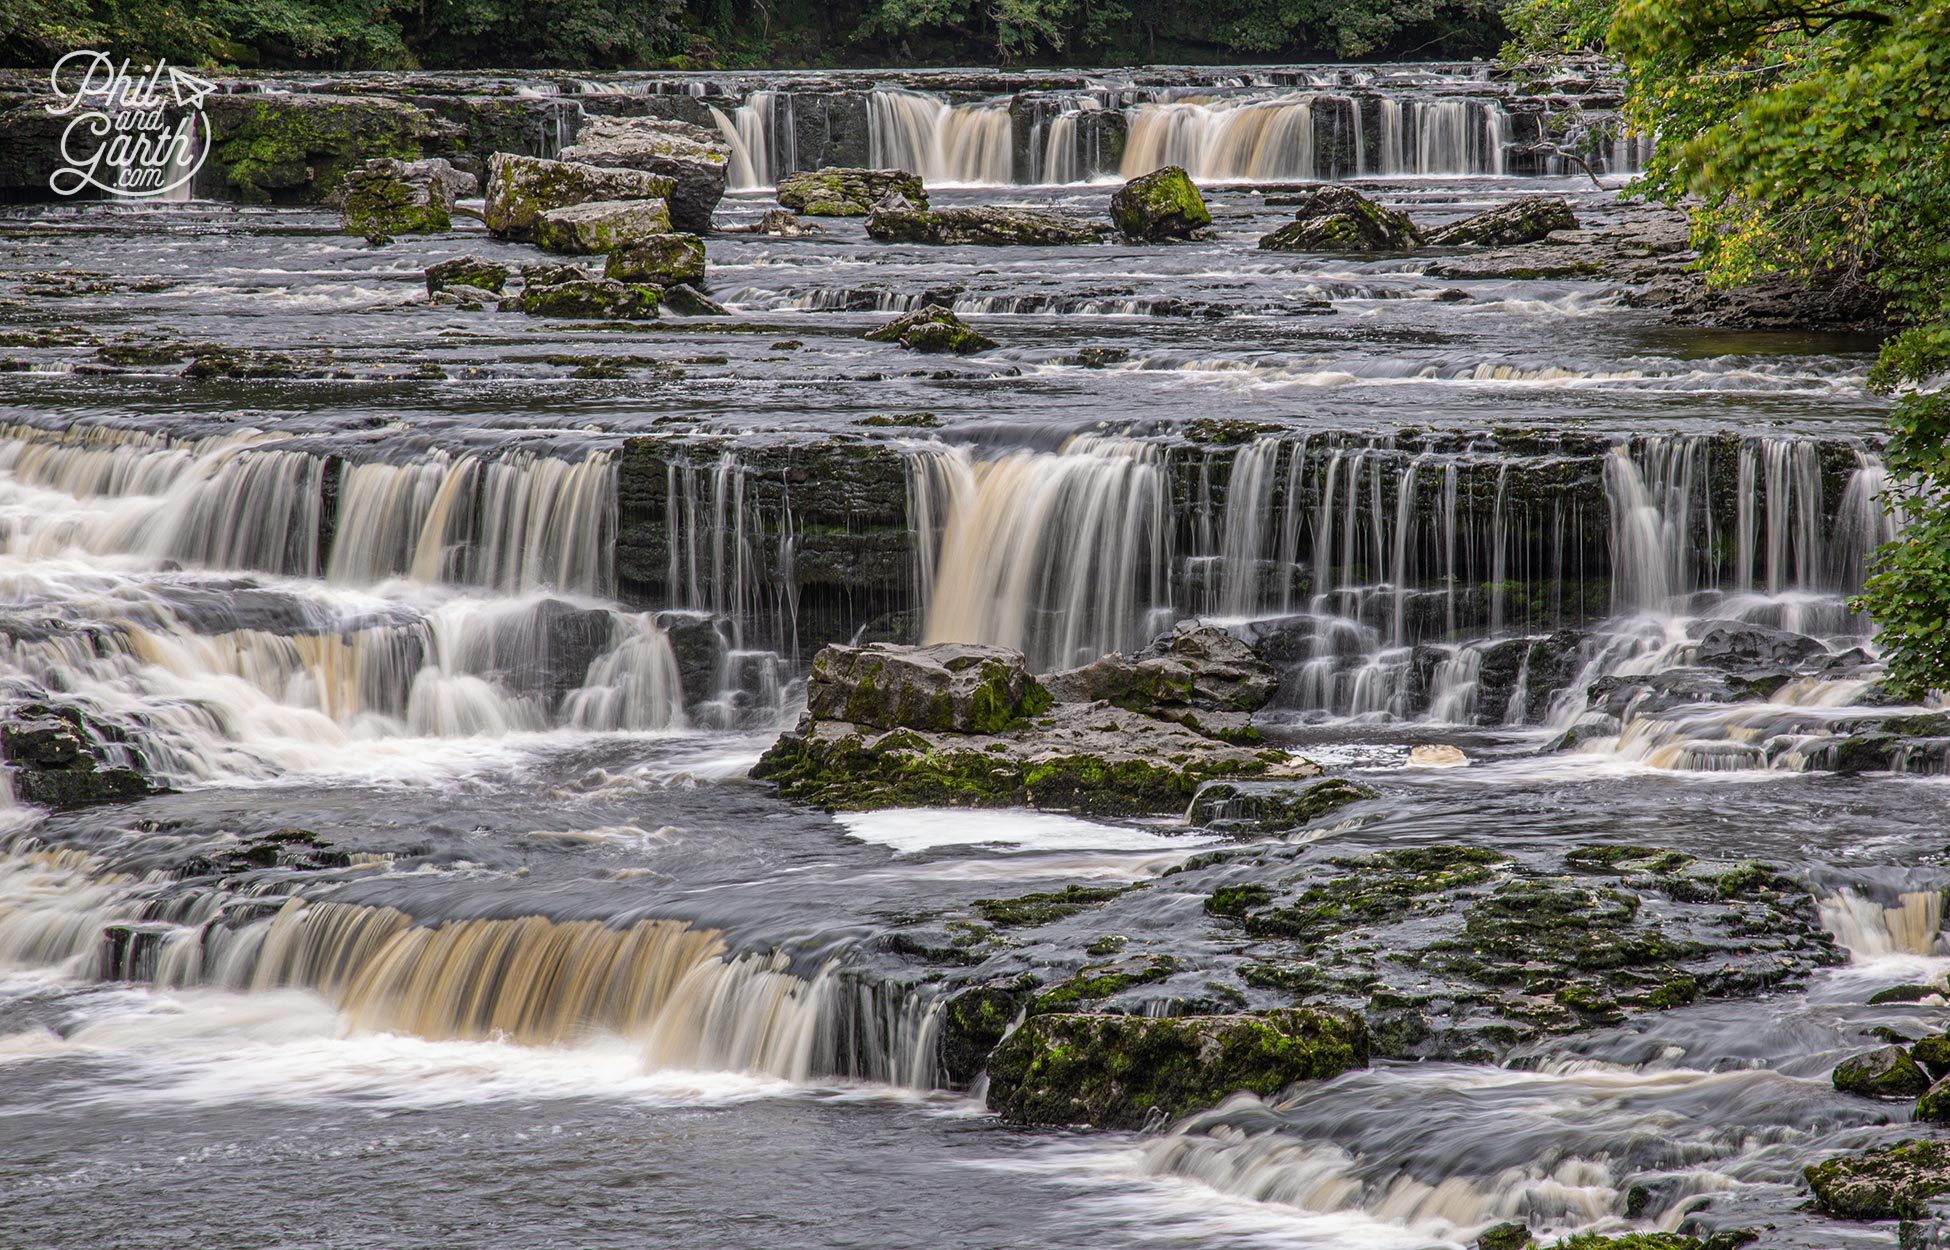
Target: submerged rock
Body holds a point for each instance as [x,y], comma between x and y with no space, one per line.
[1527,219]
[387,196]
[1892,1183]
[521,188]
[836,192]
[932,329]
[896,220]
[58,755]
[1163,204]
[473,271]
[596,298]
[694,159]
[665,259]
[1255,808]
[1885,1073]
[1118,1071]
[1341,219]
[601,226]
[967,726]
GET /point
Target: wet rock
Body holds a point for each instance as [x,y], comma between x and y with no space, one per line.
[597,298]
[1885,1073]
[388,196]
[1022,748]
[1341,219]
[521,188]
[932,329]
[778,222]
[1527,219]
[298,148]
[835,192]
[896,220]
[1511,1236]
[1163,204]
[474,271]
[693,158]
[664,259]
[1196,675]
[687,301]
[973,1021]
[1891,1183]
[1248,808]
[1116,1071]
[1735,646]
[1933,1055]
[552,273]
[62,758]
[600,226]
[1436,755]
[460,295]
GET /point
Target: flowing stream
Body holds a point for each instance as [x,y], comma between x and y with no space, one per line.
[453,636]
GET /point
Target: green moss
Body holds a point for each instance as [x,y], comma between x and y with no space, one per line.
[1091,986]
[1029,910]
[278,145]
[1237,900]
[1892,1183]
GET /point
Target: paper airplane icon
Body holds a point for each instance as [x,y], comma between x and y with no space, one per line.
[187,88]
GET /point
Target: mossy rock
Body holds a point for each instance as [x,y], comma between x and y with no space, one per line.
[837,192]
[1114,1071]
[520,189]
[601,226]
[1254,809]
[1888,1072]
[1163,204]
[1341,219]
[932,329]
[1508,1236]
[662,259]
[592,299]
[386,196]
[1047,907]
[987,226]
[1933,1106]
[298,148]
[1890,1183]
[1527,219]
[1932,1053]
[474,271]
[973,1021]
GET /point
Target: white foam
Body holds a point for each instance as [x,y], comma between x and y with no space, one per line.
[912,830]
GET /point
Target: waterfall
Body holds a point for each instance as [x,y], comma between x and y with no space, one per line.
[1869,929]
[1061,556]
[1224,140]
[762,133]
[959,145]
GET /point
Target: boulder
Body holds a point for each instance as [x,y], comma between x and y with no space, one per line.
[1891,1183]
[1885,1073]
[388,196]
[973,1021]
[835,192]
[1933,1107]
[600,226]
[1528,219]
[1118,1071]
[474,271]
[460,295]
[1341,219]
[687,301]
[1932,1054]
[521,188]
[693,158]
[993,738]
[1196,675]
[932,329]
[58,755]
[897,220]
[597,298]
[1163,204]
[1736,647]
[1252,808]
[1513,1235]
[782,224]
[665,259]
[549,273]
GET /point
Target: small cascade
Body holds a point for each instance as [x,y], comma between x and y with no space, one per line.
[1869,928]
[680,991]
[1224,140]
[1063,556]
[1308,135]
[763,134]
[955,145]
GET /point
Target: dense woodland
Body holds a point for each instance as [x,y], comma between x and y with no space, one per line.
[707,34]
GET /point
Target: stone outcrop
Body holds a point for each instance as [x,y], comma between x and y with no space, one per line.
[662,259]
[1891,1183]
[1163,204]
[590,298]
[1888,1072]
[297,148]
[693,158]
[896,220]
[59,757]
[522,188]
[600,226]
[472,271]
[1527,219]
[932,329]
[387,196]
[1341,219]
[998,739]
[1119,1071]
[835,192]
[1200,677]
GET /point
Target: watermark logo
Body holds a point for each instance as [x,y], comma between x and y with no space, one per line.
[140,135]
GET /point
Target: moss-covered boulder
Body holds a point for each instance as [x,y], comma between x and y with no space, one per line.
[1512,1235]
[1341,219]
[473,271]
[1932,1053]
[955,725]
[973,1021]
[1197,675]
[521,188]
[896,220]
[551,273]
[1115,1071]
[1891,1183]
[1933,1105]
[932,329]
[298,148]
[62,758]
[600,226]
[385,196]
[1246,808]
[1163,204]
[664,259]
[594,298]
[1528,219]
[693,158]
[836,192]
[1888,1072]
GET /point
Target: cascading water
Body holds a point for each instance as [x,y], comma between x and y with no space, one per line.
[957,145]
